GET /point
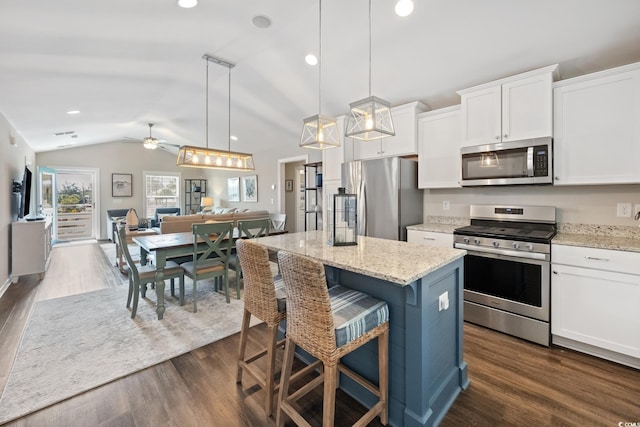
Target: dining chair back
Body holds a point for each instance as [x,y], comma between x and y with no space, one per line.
[248,229]
[278,221]
[211,250]
[140,277]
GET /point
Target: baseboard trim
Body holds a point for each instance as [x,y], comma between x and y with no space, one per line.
[5,286]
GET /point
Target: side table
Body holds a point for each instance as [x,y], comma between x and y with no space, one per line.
[120,263]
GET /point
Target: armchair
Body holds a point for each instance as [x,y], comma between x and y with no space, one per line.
[160,212]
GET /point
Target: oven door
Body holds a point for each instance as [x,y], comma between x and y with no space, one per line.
[513,284]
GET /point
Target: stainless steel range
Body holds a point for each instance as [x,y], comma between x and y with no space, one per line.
[507,269]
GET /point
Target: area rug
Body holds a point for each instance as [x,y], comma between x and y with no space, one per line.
[73,344]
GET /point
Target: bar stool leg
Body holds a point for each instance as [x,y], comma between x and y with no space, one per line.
[271,366]
[244,332]
[329,400]
[383,375]
[287,364]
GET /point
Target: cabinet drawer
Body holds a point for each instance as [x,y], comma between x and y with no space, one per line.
[430,238]
[600,259]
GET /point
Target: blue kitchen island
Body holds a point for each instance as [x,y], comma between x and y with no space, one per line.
[423,288]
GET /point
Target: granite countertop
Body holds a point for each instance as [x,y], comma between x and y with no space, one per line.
[620,238]
[440,224]
[394,261]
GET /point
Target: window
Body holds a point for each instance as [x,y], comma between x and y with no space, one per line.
[162,190]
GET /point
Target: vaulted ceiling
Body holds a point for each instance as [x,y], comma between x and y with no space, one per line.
[125,63]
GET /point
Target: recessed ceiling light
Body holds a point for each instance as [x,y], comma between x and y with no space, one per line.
[311,59]
[404,7]
[187,4]
[261,21]
[234,138]
[73,112]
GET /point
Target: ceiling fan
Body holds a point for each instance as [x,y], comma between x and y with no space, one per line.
[151,143]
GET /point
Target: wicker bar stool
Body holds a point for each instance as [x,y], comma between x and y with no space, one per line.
[329,323]
[264,298]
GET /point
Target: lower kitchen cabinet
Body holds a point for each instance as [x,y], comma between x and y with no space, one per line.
[430,238]
[595,295]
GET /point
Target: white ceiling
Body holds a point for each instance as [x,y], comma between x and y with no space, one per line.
[125,63]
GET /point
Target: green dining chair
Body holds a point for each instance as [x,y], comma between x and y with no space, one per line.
[211,250]
[248,229]
[140,276]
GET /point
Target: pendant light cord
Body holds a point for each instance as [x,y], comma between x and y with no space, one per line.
[207,106]
[229,115]
[319,56]
[369,47]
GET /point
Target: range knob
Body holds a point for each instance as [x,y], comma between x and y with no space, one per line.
[516,245]
[496,244]
[476,241]
[466,240]
[529,247]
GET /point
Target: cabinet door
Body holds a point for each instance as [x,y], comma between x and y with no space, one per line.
[596,307]
[405,139]
[439,149]
[332,158]
[527,108]
[481,116]
[597,131]
[430,238]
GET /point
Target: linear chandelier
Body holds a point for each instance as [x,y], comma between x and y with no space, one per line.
[319,131]
[370,118]
[205,157]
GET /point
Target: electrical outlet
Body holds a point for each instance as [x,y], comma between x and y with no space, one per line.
[624,210]
[445,205]
[443,301]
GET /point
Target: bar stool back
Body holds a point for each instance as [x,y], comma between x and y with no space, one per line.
[329,323]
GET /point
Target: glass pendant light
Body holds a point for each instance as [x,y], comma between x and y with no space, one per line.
[319,131]
[370,118]
[150,143]
[201,157]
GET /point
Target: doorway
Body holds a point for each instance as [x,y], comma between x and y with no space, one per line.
[69,197]
[289,200]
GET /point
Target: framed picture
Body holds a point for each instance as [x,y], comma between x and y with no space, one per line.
[233,189]
[250,188]
[121,185]
[288,185]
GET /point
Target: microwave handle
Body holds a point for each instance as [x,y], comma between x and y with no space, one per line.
[530,161]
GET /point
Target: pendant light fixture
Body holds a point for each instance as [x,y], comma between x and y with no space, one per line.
[200,157]
[370,118]
[320,132]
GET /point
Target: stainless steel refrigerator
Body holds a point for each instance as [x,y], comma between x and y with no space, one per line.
[388,196]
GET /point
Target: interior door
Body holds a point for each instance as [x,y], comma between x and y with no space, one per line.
[46,192]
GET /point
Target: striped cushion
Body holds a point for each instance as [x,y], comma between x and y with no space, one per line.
[355,313]
[281,294]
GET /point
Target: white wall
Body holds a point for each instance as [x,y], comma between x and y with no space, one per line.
[588,204]
[12,162]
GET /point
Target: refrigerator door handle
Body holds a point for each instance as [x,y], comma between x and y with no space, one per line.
[362,210]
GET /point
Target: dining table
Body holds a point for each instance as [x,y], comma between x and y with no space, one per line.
[168,246]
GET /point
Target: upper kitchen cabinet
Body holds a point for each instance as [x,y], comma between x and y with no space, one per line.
[332,158]
[439,148]
[403,143]
[510,109]
[597,128]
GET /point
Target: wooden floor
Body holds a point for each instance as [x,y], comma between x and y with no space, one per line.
[513,382]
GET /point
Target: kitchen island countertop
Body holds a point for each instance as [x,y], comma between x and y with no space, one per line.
[399,262]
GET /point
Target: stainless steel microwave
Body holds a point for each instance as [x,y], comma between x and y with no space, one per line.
[508,163]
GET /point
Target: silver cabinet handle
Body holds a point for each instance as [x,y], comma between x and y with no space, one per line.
[498,137]
[557,178]
[428,238]
[505,135]
[596,259]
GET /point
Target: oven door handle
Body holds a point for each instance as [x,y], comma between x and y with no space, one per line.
[505,252]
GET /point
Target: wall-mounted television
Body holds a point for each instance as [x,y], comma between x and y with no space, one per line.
[25,194]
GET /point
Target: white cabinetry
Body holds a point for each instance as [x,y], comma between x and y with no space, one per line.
[30,248]
[510,109]
[403,143]
[597,128]
[332,158]
[439,148]
[595,295]
[430,238]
